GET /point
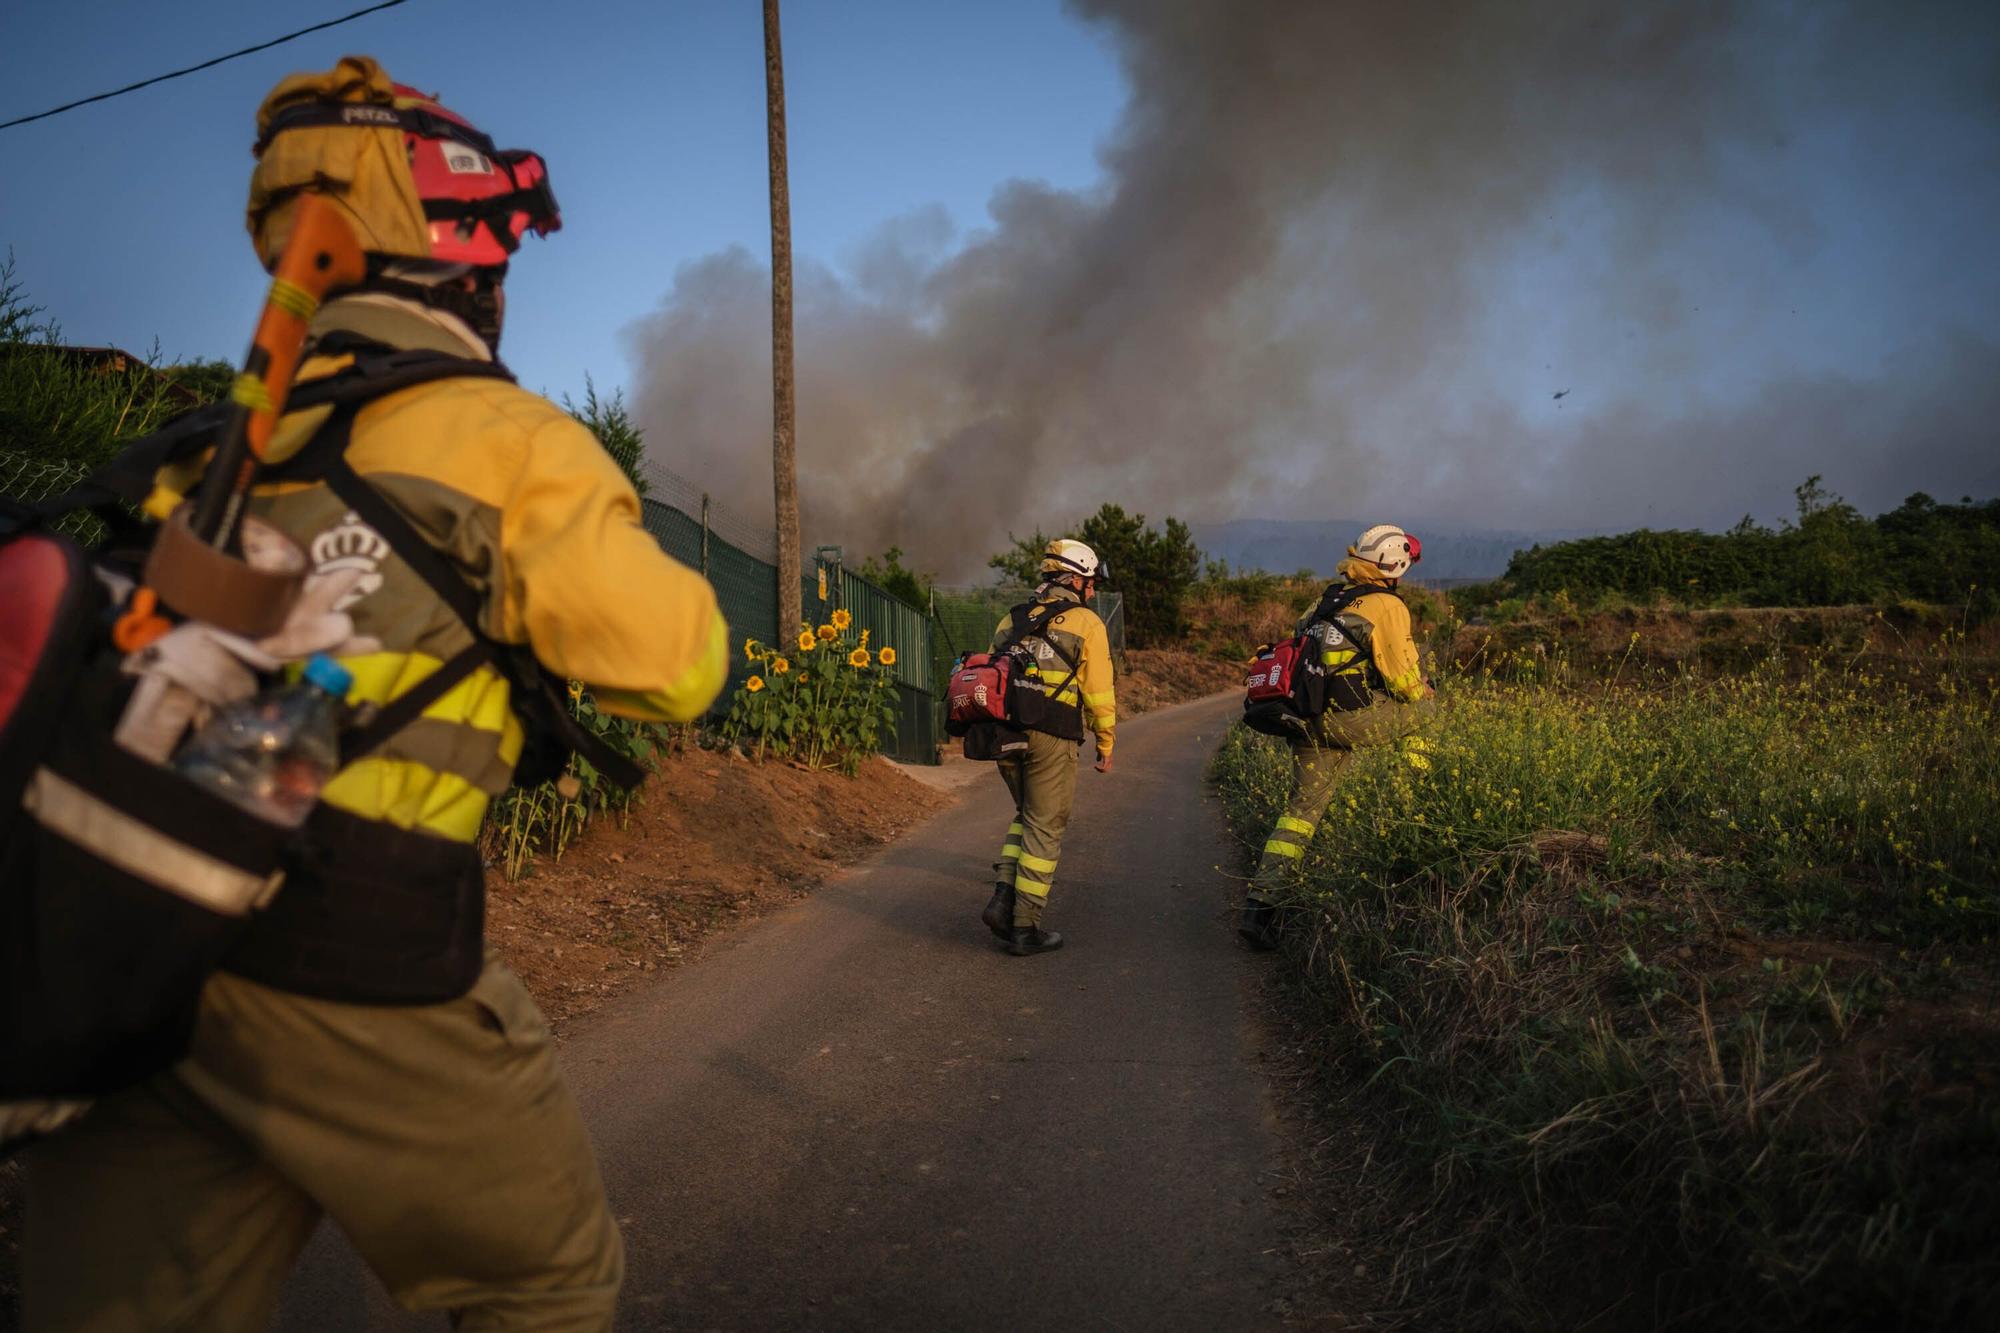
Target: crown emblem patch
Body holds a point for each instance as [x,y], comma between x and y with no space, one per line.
[351,544]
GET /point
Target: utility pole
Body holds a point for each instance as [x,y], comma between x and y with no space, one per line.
[784,458]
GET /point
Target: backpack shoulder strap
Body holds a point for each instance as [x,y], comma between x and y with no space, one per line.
[1336,600]
[532,696]
[1027,624]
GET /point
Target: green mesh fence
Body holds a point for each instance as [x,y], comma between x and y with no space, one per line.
[26,479]
[739,561]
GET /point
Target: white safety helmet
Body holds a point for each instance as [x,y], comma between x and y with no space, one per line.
[1389,549]
[1064,556]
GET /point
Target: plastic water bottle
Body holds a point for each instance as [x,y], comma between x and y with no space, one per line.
[271,754]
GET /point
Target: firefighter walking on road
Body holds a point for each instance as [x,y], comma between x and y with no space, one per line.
[361,1055]
[1072,692]
[1360,632]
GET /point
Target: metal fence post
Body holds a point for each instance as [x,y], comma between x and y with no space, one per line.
[704,534]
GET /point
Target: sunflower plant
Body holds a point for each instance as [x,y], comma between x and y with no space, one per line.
[525,821]
[825,699]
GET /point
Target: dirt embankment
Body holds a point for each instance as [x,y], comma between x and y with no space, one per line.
[712,841]
[1159,677]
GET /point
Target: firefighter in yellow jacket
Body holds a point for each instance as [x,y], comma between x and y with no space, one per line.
[361,1056]
[1377,693]
[1072,693]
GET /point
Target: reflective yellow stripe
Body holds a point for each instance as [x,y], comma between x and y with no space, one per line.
[1016,828]
[1295,825]
[1339,659]
[446,796]
[1037,864]
[1011,852]
[1098,698]
[1290,849]
[408,795]
[1406,684]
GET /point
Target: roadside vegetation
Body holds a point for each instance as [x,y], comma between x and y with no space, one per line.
[1678,990]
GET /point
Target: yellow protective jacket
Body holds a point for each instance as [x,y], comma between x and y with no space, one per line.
[526,504]
[1381,623]
[1080,635]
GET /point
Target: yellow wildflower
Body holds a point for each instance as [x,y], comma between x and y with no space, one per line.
[806,641]
[576,691]
[887,656]
[841,618]
[858,658]
[754,684]
[779,666]
[827,631]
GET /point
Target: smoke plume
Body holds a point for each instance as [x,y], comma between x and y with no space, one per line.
[1344,255]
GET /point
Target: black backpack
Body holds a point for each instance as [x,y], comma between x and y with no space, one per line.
[123,884]
[1289,687]
[990,701]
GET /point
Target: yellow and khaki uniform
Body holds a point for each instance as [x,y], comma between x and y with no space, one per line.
[437,1134]
[1381,624]
[1043,780]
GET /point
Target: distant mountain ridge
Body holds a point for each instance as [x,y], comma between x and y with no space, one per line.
[1284,546]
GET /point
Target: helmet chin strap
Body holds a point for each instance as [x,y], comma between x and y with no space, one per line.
[477,303]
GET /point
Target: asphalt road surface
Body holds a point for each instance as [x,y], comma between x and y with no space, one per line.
[863,1114]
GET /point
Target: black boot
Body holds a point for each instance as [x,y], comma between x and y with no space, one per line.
[1259,926]
[1024,940]
[999,913]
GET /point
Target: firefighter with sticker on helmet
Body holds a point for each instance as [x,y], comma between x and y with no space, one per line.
[1361,635]
[362,1055]
[1072,691]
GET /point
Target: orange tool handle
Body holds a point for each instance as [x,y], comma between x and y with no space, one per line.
[321,256]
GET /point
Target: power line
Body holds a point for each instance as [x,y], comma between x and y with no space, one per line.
[162,78]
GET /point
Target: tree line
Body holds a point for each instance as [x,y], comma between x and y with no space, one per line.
[1828,554]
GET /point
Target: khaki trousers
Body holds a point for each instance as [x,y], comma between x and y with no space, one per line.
[1317,764]
[439,1137]
[1043,784]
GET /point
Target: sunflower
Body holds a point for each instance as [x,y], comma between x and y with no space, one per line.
[842,618]
[827,631]
[779,666]
[858,658]
[806,641]
[887,657]
[864,638]
[754,684]
[749,650]
[576,691]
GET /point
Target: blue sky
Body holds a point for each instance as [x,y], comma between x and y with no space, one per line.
[1282,261]
[125,218]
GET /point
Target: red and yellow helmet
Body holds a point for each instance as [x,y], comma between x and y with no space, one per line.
[419,180]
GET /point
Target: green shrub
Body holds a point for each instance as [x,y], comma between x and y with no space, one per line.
[1828,555]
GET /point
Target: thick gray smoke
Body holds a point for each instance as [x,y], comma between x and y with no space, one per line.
[1343,255]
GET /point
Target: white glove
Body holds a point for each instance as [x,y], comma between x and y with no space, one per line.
[315,624]
[194,668]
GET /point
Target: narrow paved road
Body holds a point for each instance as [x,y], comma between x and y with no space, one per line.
[863,1114]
